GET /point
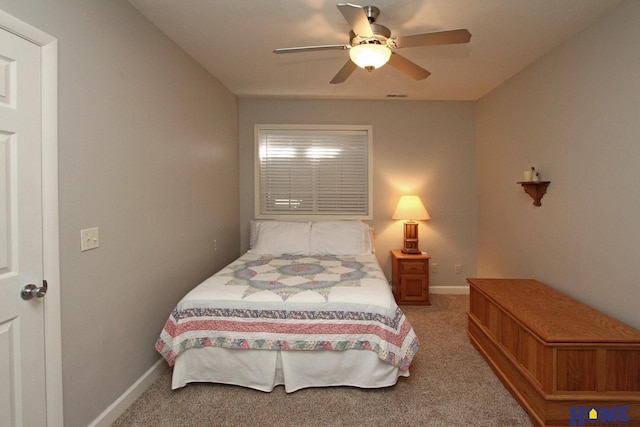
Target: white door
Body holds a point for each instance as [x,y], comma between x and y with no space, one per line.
[22,337]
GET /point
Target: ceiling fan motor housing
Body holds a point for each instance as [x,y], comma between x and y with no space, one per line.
[380,36]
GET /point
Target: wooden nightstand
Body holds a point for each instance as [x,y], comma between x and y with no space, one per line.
[410,278]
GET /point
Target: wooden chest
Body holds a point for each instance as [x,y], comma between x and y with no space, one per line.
[565,362]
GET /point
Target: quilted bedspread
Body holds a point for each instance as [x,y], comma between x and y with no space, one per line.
[293,303]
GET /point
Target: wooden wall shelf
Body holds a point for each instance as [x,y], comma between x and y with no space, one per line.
[535,189]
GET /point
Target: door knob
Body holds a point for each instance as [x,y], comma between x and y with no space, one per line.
[32,291]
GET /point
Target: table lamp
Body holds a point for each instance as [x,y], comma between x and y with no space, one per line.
[410,209]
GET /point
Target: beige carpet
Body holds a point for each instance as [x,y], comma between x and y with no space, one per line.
[450,385]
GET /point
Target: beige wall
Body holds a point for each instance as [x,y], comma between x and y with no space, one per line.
[148,153]
[575,115]
[424,148]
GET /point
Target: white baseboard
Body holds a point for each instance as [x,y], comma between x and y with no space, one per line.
[451,290]
[117,408]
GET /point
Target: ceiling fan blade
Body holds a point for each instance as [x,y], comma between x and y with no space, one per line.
[357,18]
[311,48]
[344,73]
[432,39]
[408,67]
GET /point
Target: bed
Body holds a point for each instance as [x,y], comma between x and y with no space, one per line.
[307,306]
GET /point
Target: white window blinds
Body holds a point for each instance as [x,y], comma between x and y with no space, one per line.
[313,171]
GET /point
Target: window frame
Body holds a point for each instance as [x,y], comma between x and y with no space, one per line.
[311,128]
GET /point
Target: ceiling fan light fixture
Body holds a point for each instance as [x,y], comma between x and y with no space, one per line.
[370,55]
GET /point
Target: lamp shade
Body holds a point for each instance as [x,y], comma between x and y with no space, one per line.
[411,208]
[370,55]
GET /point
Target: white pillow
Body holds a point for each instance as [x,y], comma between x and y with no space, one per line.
[253,232]
[339,238]
[370,245]
[281,237]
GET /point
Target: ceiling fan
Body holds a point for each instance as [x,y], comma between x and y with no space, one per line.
[371,45]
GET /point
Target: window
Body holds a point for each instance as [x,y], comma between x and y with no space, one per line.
[313,171]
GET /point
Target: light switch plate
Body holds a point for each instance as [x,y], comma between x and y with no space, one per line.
[89,239]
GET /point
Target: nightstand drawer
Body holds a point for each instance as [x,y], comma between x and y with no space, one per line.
[413,266]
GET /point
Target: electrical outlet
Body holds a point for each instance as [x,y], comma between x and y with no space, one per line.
[458,268]
[435,267]
[89,239]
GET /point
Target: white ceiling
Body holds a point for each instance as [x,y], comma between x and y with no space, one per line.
[234,40]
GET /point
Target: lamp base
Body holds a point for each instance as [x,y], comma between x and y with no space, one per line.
[410,238]
[411,251]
